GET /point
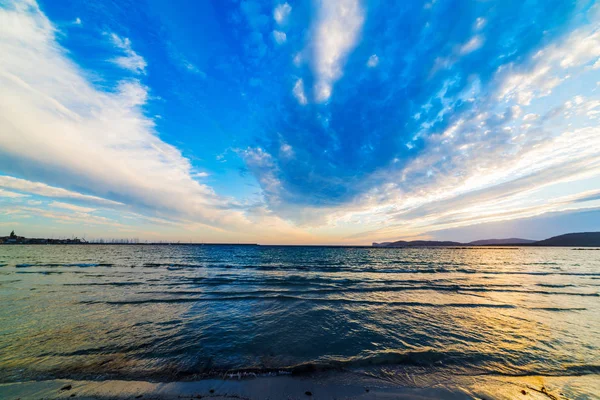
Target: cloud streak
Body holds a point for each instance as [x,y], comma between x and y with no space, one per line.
[99,145]
[336,32]
[130,60]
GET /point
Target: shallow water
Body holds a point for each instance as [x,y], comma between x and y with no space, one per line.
[187,312]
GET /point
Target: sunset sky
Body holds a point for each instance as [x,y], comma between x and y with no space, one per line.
[321,122]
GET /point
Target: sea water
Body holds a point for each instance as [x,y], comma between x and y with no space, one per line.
[186,312]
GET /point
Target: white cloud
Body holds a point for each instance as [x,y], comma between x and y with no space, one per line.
[286,150]
[192,68]
[99,142]
[373,61]
[479,23]
[130,60]
[298,60]
[281,13]
[77,21]
[44,190]
[201,174]
[264,168]
[279,37]
[487,166]
[549,64]
[299,92]
[97,147]
[335,34]
[531,117]
[473,44]
[71,207]
[11,195]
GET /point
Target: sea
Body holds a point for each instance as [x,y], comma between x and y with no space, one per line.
[188,312]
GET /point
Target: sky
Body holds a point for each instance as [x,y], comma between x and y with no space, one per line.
[299,122]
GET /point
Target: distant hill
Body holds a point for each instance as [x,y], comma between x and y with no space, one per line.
[582,239]
[493,242]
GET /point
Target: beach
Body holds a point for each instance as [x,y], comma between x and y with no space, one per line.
[326,387]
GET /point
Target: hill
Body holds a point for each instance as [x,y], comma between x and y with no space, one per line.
[582,239]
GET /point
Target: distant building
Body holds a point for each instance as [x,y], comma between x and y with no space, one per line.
[14,239]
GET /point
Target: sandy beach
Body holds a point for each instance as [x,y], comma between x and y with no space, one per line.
[338,386]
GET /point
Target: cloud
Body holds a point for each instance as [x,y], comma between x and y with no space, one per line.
[299,92]
[81,219]
[459,124]
[477,152]
[473,44]
[479,24]
[279,37]
[335,33]
[130,60]
[281,13]
[41,189]
[71,207]
[13,195]
[373,61]
[181,61]
[98,147]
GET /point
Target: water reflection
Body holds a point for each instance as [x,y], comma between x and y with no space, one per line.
[182,312]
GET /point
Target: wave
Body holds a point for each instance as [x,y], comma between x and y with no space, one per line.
[41,272]
[337,290]
[105,284]
[297,298]
[80,265]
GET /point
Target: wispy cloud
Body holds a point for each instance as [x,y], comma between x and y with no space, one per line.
[41,189]
[335,34]
[13,195]
[71,207]
[130,60]
[281,13]
[373,61]
[299,92]
[473,44]
[279,37]
[100,146]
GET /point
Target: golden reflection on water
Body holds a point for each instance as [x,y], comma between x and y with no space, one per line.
[170,314]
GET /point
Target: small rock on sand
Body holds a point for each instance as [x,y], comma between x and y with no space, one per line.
[67,387]
[523,391]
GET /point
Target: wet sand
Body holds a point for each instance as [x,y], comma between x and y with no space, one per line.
[339,387]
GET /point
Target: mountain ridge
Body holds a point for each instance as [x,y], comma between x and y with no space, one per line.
[581,239]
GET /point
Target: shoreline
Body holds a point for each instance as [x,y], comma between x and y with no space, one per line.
[336,386]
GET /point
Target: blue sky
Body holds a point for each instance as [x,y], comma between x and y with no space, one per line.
[342,121]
